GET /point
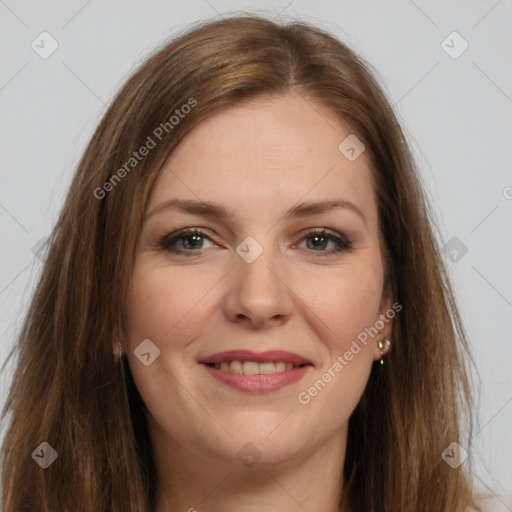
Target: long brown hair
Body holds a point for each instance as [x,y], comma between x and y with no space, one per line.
[68,392]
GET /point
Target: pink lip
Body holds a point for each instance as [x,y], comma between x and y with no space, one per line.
[258,357]
[257,383]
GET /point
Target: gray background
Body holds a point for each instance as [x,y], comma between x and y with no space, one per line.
[456,113]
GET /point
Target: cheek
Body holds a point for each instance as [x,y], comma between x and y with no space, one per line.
[349,305]
[347,302]
[160,304]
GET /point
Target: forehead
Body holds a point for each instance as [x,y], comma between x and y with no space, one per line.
[268,154]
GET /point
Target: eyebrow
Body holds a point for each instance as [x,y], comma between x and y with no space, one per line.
[217,211]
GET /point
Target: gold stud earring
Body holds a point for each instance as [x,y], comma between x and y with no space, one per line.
[119,353]
[384,347]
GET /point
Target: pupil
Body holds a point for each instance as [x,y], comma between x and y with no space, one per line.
[197,240]
[317,238]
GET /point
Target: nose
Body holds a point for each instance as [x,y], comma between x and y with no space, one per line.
[259,294]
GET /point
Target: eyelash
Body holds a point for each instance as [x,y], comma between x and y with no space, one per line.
[166,242]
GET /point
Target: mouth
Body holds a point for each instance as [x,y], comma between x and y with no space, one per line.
[255,372]
[253,368]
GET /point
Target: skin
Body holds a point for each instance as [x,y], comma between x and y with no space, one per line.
[258,160]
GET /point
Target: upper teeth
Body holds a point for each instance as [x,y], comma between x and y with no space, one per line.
[254,368]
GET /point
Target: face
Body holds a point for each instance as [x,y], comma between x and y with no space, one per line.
[264,271]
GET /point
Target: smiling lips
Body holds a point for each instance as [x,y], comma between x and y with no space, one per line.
[254,372]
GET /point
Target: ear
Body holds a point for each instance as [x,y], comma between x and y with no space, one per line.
[384,323]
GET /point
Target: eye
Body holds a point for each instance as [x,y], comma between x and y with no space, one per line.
[320,238]
[188,241]
[191,240]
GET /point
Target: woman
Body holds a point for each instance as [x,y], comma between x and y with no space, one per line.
[247,234]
